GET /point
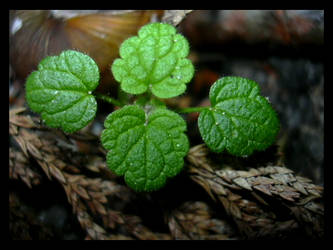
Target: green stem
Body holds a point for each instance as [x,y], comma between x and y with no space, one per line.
[108,99]
[191,110]
[123,97]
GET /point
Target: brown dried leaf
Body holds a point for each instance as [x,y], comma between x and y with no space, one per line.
[235,211]
[15,111]
[99,207]
[116,217]
[176,230]
[193,221]
[303,179]
[265,188]
[22,121]
[242,183]
[259,198]
[99,196]
[34,151]
[299,187]
[218,189]
[19,167]
[21,142]
[80,191]
[56,173]
[284,178]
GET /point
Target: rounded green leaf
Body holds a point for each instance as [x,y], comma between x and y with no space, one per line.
[61,90]
[240,120]
[146,149]
[154,59]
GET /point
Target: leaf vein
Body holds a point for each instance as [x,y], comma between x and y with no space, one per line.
[66,108]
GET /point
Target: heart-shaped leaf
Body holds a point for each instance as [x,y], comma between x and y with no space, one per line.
[154,59]
[239,120]
[61,90]
[147,149]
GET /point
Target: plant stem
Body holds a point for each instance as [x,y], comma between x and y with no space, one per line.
[108,99]
[191,110]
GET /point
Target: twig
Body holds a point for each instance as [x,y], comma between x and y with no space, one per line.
[89,197]
[267,202]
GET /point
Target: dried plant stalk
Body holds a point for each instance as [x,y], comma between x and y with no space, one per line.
[268,201]
[79,188]
[19,169]
[88,196]
[193,221]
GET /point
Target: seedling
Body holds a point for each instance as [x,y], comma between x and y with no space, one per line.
[146,141]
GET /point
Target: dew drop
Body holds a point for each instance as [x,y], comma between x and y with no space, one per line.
[267,98]
[56,92]
[223,113]
[89,92]
[175,40]
[178,77]
[178,145]
[216,123]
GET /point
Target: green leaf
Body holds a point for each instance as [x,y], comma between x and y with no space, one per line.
[61,90]
[146,148]
[239,120]
[154,59]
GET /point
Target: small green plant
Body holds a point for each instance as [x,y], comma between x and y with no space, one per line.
[146,141]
